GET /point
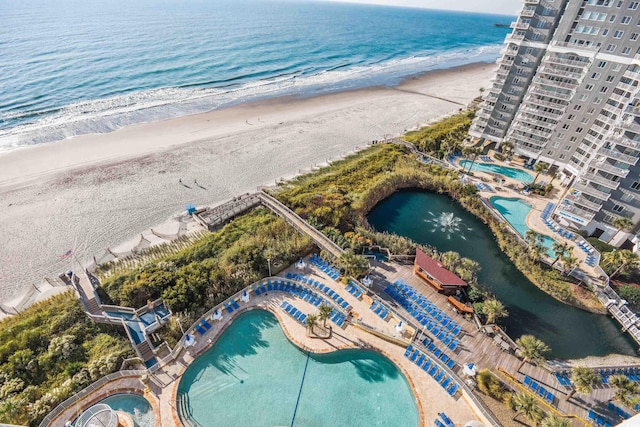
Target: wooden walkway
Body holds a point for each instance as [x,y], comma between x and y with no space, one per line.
[485,351]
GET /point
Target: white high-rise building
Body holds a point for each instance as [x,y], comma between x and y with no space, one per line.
[567,93]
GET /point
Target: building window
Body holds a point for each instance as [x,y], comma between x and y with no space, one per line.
[584,120]
[617,66]
[571,117]
[625,20]
[577,107]
[633,37]
[561,135]
[635,185]
[618,34]
[611,48]
[597,101]
[562,157]
[572,139]
[567,148]
[602,64]
[618,208]
[588,87]
[626,51]
[612,18]
[604,89]
[583,97]
[591,110]
[595,75]
[565,126]
[633,5]
[627,197]
[609,79]
[605,32]
[579,130]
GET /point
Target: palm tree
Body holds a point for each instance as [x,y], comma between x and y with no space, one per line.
[356,264]
[621,223]
[532,350]
[535,243]
[622,261]
[325,312]
[625,390]
[569,262]
[527,405]
[494,309]
[468,270]
[554,420]
[472,152]
[539,168]
[451,259]
[583,379]
[312,319]
[507,148]
[559,250]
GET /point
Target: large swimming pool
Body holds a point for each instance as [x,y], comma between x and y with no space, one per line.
[254,376]
[513,173]
[136,406]
[515,211]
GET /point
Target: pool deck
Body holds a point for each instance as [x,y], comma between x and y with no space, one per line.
[538,203]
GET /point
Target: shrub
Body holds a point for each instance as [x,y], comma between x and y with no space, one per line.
[490,385]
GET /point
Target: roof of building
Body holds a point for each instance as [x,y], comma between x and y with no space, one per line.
[437,270]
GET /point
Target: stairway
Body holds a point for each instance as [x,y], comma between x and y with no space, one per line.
[144,350]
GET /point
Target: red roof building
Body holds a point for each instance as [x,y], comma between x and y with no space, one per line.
[435,274]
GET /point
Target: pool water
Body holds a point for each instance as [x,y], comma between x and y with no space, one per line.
[513,173]
[515,211]
[136,406]
[253,376]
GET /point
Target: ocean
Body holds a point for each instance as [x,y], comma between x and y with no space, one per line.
[73,67]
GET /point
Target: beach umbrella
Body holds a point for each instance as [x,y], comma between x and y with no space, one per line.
[470,369]
[245,296]
[216,315]
[399,327]
[474,423]
[367,281]
[300,264]
[189,341]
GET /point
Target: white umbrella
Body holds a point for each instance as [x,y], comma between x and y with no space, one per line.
[474,423]
[367,281]
[300,264]
[470,369]
[189,341]
[216,315]
[399,327]
[244,297]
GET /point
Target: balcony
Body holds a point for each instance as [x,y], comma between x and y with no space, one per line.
[625,142]
[538,122]
[574,210]
[514,38]
[551,93]
[635,75]
[588,204]
[584,188]
[518,25]
[599,179]
[613,110]
[629,125]
[626,87]
[614,154]
[537,132]
[513,136]
[619,98]
[536,101]
[556,83]
[633,109]
[527,13]
[506,60]
[553,71]
[568,62]
[531,1]
[609,168]
[541,113]
[571,47]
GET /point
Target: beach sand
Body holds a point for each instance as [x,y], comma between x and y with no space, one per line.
[96,191]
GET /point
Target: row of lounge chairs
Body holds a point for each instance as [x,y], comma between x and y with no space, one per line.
[486,158]
[202,327]
[539,389]
[379,309]
[294,312]
[444,357]
[484,187]
[598,419]
[231,305]
[528,166]
[563,377]
[323,265]
[619,411]
[633,374]
[324,289]
[354,289]
[423,361]
[424,311]
[292,288]
[337,317]
[446,421]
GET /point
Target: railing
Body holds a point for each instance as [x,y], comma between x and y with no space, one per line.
[86,391]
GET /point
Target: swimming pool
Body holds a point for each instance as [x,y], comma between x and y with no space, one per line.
[253,376]
[513,173]
[136,406]
[515,211]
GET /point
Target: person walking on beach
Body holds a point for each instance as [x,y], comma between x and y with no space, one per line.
[180,181]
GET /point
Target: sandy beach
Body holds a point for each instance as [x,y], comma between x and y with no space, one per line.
[92,192]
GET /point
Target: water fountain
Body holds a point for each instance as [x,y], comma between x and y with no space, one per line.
[447,223]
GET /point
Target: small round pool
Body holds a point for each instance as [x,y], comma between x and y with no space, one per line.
[135,405]
[513,173]
[254,376]
[515,211]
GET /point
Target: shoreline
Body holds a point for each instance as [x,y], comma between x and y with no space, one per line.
[93,192]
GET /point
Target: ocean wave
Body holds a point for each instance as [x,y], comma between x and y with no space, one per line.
[109,114]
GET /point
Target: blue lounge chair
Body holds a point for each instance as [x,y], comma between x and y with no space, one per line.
[433,370]
[426,365]
[451,364]
[527,380]
[438,377]
[420,360]
[200,330]
[228,306]
[408,351]
[446,383]
[453,389]
[256,290]
[550,397]
[235,304]
[446,419]
[438,423]
[414,355]
[535,386]
[206,324]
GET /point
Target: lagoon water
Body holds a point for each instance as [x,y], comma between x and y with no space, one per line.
[72,67]
[570,332]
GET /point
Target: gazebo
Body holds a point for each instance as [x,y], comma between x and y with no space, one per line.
[436,275]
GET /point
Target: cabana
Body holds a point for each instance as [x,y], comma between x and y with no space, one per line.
[436,275]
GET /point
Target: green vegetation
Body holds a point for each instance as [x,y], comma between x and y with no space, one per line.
[48,353]
[532,350]
[554,420]
[601,246]
[583,379]
[527,405]
[619,262]
[626,390]
[214,267]
[630,293]
[491,385]
[444,137]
